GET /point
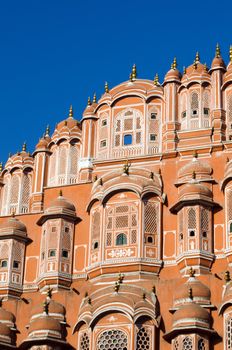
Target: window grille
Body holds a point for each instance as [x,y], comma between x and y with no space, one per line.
[84,342]
[201,344]
[14,195]
[192,221]
[26,191]
[187,343]
[228,331]
[150,217]
[112,339]
[122,218]
[229,108]
[176,345]
[194,101]
[143,341]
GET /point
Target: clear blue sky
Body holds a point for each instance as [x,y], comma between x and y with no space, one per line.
[57,52]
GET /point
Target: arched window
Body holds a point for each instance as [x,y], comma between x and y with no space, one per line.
[26,192]
[194,105]
[183,111]
[187,343]
[128,134]
[228,330]
[151,224]
[154,125]
[112,339]
[206,109]
[63,163]
[121,239]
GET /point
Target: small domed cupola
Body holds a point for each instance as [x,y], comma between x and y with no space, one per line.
[192,289]
[227,78]
[173,74]
[197,70]
[201,169]
[90,109]
[218,62]
[46,329]
[7,329]
[67,129]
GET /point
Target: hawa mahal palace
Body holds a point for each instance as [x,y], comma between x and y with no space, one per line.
[116,232]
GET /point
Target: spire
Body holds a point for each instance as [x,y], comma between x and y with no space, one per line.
[205,67]
[89,101]
[47,131]
[130,77]
[95,98]
[106,87]
[231,53]
[156,79]
[197,58]
[184,70]
[218,51]
[174,65]
[1,166]
[134,72]
[70,115]
[24,148]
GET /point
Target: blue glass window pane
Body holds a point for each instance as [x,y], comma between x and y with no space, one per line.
[127,139]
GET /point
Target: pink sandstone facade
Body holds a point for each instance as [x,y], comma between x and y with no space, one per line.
[116,233]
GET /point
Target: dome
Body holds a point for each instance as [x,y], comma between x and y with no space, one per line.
[61,203]
[89,110]
[200,169]
[5,332]
[191,314]
[228,74]
[12,224]
[194,189]
[45,323]
[6,316]
[218,63]
[173,73]
[54,308]
[42,144]
[68,123]
[200,293]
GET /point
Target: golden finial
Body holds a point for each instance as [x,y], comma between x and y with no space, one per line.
[227,276]
[106,87]
[184,70]
[130,77]
[190,293]
[230,53]
[95,98]
[47,131]
[191,272]
[120,278]
[156,79]
[205,67]
[218,51]
[24,148]
[126,167]
[174,65]
[70,114]
[89,101]
[134,72]
[117,286]
[60,193]
[45,307]
[1,166]
[197,58]
[49,292]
